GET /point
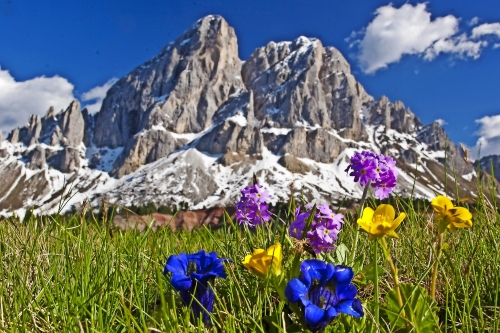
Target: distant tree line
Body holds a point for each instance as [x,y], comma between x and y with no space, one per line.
[151,208]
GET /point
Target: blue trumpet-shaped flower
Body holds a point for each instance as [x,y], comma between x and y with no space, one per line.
[322,292]
[193,276]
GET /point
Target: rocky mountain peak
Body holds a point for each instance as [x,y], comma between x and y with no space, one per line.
[179,89]
[194,123]
[394,116]
[176,92]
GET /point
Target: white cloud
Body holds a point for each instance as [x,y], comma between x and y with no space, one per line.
[489,136]
[20,99]
[395,32]
[486,29]
[460,46]
[441,122]
[496,46]
[97,95]
[410,30]
[473,21]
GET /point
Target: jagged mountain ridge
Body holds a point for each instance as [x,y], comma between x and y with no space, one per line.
[193,124]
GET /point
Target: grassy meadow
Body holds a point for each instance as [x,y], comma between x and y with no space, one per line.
[76,274]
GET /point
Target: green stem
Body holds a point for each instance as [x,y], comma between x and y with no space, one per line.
[437,255]
[394,272]
[375,283]
[356,233]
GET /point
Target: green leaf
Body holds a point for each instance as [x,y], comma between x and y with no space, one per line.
[292,205]
[341,254]
[227,217]
[346,323]
[309,222]
[419,308]
[359,263]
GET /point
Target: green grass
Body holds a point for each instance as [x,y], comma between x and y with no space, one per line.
[71,275]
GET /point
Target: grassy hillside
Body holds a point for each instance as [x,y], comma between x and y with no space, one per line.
[78,275]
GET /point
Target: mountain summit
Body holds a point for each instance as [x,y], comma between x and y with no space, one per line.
[195,122]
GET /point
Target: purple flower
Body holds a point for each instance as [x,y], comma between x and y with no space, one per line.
[324,228]
[252,209]
[377,169]
[384,186]
[297,227]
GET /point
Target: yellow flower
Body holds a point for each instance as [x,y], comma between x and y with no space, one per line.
[261,261]
[380,222]
[449,216]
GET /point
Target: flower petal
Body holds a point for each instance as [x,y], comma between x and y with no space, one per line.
[343,275]
[365,225]
[255,265]
[275,252]
[462,213]
[181,282]
[346,292]
[295,290]
[314,269]
[315,317]
[246,260]
[441,203]
[461,224]
[367,215]
[176,264]
[351,307]
[398,221]
[392,234]
[387,211]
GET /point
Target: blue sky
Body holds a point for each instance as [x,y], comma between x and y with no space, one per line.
[427,55]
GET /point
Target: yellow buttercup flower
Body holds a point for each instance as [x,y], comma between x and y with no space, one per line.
[380,222]
[450,217]
[260,262]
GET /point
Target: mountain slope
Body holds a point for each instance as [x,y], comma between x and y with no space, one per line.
[193,124]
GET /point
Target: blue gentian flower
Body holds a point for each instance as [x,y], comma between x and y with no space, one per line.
[193,276]
[322,292]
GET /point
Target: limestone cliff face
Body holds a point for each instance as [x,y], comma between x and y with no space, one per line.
[179,90]
[304,82]
[52,139]
[393,116]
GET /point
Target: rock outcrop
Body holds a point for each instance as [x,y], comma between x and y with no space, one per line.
[293,164]
[304,82]
[436,139]
[393,116]
[36,158]
[67,160]
[64,132]
[490,164]
[181,88]
[144,148]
